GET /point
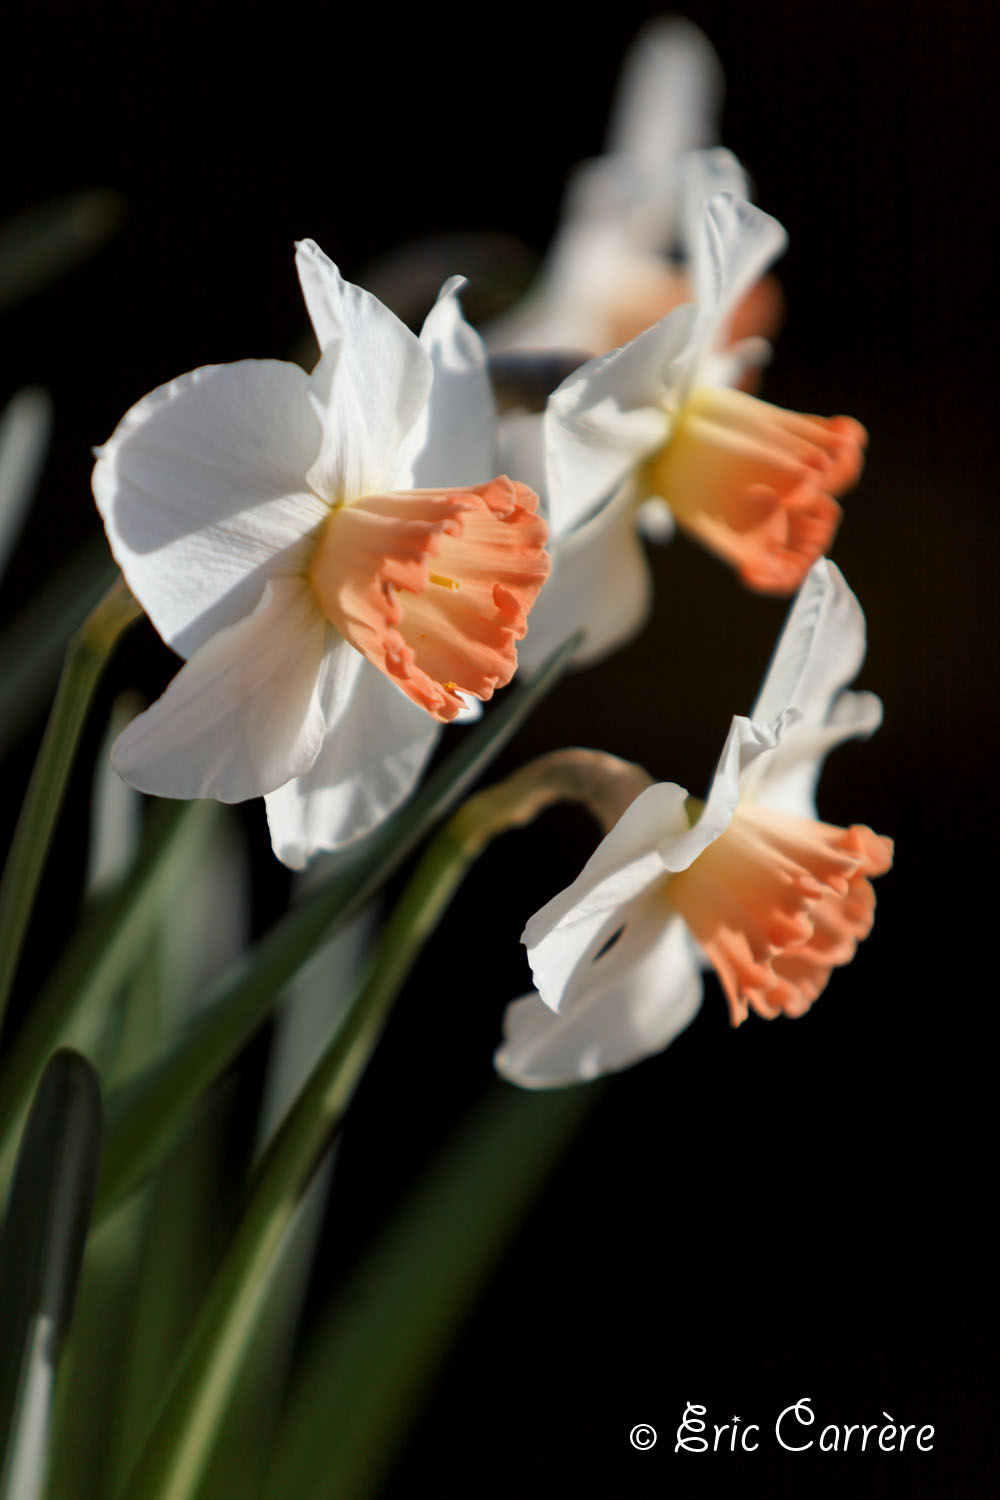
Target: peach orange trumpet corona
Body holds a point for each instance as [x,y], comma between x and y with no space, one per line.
[659,416]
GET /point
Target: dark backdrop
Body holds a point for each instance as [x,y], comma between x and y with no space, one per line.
[755,1216]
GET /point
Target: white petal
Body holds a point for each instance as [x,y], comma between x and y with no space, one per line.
[600,582]
[665,106]
[202,489]
[820,650]
[370,386]
[632,1003]
[668,95]
[459,441]
[746,743]
[703,174]
[609,415]
[623,873]
[732,247]
[566,307]
[370,761]
[244,715]
[788,777]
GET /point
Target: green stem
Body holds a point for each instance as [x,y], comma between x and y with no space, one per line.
[109,942]
[372,1357]
[34,644]
[86,656]
[146,1116]
[173,1460]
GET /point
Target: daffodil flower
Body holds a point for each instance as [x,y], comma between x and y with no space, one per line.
[607,274]
[751,884]
[752,482]
[328,553]
[618,261]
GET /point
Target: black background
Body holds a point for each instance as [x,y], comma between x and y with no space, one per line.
[786,1210]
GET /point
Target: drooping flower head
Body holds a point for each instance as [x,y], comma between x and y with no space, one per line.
[752,482]
[751,883]
[330,554]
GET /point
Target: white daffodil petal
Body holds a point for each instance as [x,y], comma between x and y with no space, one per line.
[625,869]
[668,96]
[600,581]
[202,491]
[703,175]
[732,247]
[370,386]
[363,772]
[746,743]
[787,779]
[631,1003]
[244,715]
[820,650]
[459,442]
[609,415]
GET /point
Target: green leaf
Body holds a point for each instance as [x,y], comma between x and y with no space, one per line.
[40,1253]
[112,938]
[371,1361]
[33,645]
[41,243]
[86,657]
[25,424]
[147,1114]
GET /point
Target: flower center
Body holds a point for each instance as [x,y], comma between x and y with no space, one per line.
[777,902]
[756,483]
[441,631]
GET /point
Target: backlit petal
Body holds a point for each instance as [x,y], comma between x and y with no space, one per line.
[821,650]
[600,583]
[244,715]
[458,436]
[370,387]
[732,247]
[363,772]
[203,493]
[625,870]
[608,416]
[631,1003]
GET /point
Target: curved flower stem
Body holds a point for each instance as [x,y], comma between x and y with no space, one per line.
[173,1460]
[86,656]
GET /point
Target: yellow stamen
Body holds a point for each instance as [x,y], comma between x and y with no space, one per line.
[443,581]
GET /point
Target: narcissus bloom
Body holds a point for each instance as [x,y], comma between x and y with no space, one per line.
[751,884]
[752,482]
[331,557]
[607,274]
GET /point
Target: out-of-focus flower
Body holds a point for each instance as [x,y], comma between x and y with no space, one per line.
[619,259]
[608,262]
[752,883]
[292,536]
